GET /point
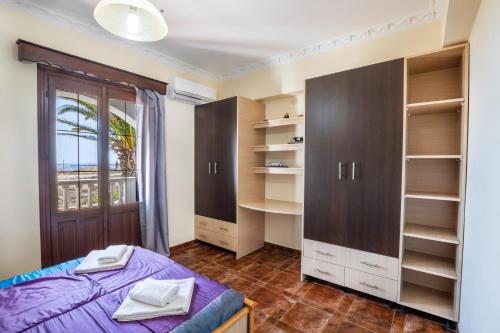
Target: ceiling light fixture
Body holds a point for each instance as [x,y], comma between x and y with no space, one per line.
[137,20]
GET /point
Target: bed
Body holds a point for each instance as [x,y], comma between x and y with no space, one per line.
[55,299]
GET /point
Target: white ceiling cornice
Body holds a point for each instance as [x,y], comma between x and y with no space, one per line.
[70,22]
[433,12]
[425,16]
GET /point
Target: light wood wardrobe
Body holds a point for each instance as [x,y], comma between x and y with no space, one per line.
[434,171]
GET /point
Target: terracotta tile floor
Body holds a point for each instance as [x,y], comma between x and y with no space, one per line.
[270,276]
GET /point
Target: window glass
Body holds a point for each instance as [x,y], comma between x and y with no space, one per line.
[76,151]
[121,152]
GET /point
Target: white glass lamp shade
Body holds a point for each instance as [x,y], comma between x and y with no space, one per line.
[137,20]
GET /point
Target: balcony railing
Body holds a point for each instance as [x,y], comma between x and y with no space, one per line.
[121,189]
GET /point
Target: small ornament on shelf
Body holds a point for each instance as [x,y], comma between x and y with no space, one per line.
[286,116]
[276,164]
[296,140]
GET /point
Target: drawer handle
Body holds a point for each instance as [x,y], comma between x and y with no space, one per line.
[369,285]
[202,236]
[224,242]
[223,229]
[328,254]
[203,222]
[322,272]
[370,264]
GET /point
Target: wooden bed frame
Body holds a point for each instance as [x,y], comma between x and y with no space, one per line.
[240,322]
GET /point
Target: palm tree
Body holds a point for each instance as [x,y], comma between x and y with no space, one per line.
[121,133]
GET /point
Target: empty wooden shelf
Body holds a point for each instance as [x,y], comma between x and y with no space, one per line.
[275,206]
[428,300]
[279,171]
[279,122]
[433,157]
[430,264]
[431,233]
[432,196]
[442,106]
[282,147]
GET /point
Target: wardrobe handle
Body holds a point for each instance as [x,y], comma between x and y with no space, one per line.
[369,264]
[369,285]
[340,171]
[209,168]
[353,170]
[323,272]
[215,168]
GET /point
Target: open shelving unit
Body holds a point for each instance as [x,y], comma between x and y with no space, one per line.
[280,196]
[434,171]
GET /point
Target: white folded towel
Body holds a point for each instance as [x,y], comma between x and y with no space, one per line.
[154,292]
[134,310]
[112,253]
[91,264]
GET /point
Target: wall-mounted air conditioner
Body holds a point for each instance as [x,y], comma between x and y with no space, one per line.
[190,92]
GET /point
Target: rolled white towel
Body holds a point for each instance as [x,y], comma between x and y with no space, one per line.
[112,253]
[154,292]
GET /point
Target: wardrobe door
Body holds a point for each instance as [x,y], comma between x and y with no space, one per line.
[204,180]
[376,105]
[327,154]
[224,159]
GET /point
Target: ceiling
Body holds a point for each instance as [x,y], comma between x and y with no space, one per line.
[220,36]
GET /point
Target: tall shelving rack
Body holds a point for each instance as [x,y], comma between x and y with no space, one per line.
[434,173]
[282,197]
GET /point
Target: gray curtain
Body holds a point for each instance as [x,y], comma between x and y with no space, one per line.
[151,170]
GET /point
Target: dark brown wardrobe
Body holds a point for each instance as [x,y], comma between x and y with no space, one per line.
[224,137]
[353,170]
[353,154]
[215,160]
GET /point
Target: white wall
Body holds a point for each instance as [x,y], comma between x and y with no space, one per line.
[19,218]
[481,269]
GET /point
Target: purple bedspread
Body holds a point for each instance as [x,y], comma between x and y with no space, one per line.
[68,302]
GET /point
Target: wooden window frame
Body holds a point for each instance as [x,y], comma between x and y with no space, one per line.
[44,151]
